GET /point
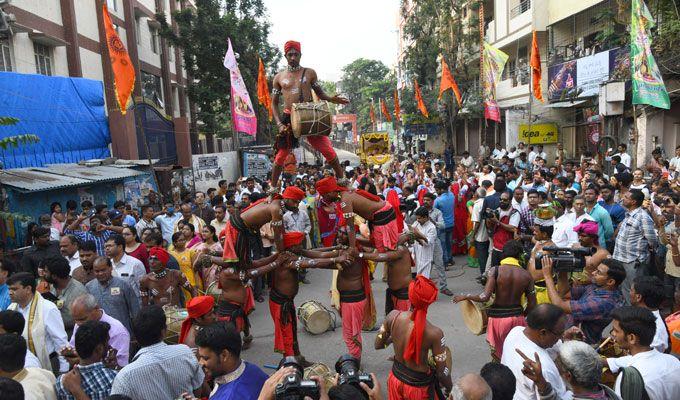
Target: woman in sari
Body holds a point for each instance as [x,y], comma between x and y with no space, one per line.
[459,188]
[189,232]
[209,245]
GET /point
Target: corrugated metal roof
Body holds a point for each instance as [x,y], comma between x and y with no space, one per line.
[58,176]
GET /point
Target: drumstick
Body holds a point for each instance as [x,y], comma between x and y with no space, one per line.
[607,340]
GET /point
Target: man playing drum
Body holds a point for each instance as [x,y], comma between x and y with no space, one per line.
[413,336]
[285,285]
[381,216]
[296,84]
[510,282]
[162,286]
[201,313]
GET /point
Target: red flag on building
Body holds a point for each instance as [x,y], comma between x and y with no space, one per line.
[536,68]
[371,113]
[263,90]
[383,108]
[123,70]
[397,109]
[419,99]
[448,82]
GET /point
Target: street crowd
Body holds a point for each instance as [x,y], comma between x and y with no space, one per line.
[577,261]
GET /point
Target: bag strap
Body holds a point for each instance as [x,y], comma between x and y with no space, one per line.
[632,385]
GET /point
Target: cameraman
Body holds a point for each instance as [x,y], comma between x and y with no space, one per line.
[503,225]
[590,306]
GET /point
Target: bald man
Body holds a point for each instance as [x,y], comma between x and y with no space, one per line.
[471,387]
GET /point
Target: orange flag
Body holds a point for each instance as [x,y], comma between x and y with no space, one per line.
[123,70]
[397,109]
[448,82]
[536,68]
[419,99]
[372,114]
[263,90]
[383,108]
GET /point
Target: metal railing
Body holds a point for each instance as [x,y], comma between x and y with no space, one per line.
[521,8]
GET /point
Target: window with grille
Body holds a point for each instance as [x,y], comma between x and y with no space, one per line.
[5,56]
[43,59]
[154,40]
[519,7]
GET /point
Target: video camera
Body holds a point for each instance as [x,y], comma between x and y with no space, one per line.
[348,368]
[294,386]
[565,259]
[489,213]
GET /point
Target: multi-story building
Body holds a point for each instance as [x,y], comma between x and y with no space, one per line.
[67,38]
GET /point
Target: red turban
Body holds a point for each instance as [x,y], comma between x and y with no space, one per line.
[292,238]
[294,193]
[421,293]
[327,185]
[291,44]
[196,307]
[161,254]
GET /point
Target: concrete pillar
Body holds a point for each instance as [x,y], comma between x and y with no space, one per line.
[123,135]
[68,17]
[182,141]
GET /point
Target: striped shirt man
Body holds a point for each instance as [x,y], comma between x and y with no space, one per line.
[636,235]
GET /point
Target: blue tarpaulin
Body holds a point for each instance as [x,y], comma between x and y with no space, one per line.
[67,114]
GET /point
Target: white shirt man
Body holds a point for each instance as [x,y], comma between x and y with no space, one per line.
[129,269]
[297,221]
[531,157]
[525,388]
[660,342]
[563,230]
[73,261]
[468,162]
[424,254]
[498,153]
[482,235]
[659,371]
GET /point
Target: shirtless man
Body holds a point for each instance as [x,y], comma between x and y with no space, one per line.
[412,336]
[162,286]
[588,237]
[285,285]
[296,84]
[380,215]
[201,313]
[509,281]
[88,253]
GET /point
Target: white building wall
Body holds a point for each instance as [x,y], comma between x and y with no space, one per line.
[86,19]
[91,65]
[47,9]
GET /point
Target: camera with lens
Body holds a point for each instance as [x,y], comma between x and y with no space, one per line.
[294,386]
[565,259]
[490,213]
[348,369]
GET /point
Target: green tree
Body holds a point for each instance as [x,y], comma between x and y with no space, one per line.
[364,80]
[202,36]
[15,140]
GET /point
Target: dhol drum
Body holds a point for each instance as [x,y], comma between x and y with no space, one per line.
[214,291]
[174,317]
[315,318]
[323,372]
[474,316]
[308,119]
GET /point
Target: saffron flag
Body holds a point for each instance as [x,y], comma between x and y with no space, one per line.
[492,68]
[536,69]
[242,112]
[397,109]
[419,99]
[263,90]
[448,82]
[383,108]
[123,70]
[371,113]
[648,86]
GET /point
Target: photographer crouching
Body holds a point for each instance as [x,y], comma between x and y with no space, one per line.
[591,305]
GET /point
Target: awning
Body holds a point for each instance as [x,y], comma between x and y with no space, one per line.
[565,104]
[61,176]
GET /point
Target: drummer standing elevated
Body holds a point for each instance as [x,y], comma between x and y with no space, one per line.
[296,84]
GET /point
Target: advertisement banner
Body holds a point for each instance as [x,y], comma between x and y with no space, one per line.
[211,168]
[494,62]
[648,86]
[242,112]
[256,165]
[592,71]
[538,133]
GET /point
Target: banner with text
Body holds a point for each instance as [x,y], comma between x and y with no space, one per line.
[242,112]
[538,133]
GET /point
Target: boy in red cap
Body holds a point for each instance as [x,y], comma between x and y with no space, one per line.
[162,286]
[412,336]
[201,310]
[296,83]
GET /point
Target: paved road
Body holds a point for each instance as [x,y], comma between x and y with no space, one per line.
[470,352]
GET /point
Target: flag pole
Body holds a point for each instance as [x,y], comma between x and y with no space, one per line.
[531,84]
[138,122]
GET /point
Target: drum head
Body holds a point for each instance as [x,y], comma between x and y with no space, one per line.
[473,316]
[315,318]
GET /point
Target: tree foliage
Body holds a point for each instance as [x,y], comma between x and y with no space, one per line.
[15,140]
[364,80]
[202,36]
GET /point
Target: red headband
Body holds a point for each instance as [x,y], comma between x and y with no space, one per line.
[293,193]
[421,292]
[196,307]
[291,44]
[291,239]
[161,254]
[327,185]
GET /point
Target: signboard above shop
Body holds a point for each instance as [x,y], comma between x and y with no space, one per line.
[538,133]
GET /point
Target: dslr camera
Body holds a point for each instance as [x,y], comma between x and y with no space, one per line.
[490,213]
[294,386]
[348,369]
[565,259]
